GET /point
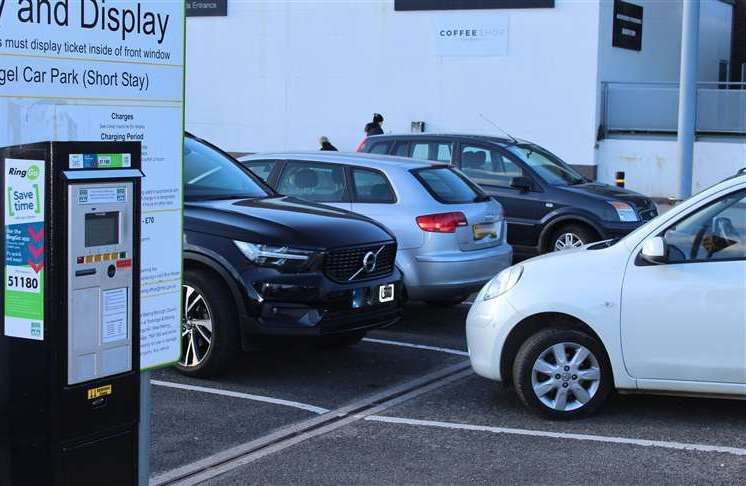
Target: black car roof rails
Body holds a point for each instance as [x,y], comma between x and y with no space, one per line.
[741,171]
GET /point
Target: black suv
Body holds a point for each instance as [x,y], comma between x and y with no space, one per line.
[548,204]
[259,264]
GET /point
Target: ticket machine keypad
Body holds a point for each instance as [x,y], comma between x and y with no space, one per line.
[119,257]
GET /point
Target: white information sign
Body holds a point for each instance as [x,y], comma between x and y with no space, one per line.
[114,318]
[471,35]
[96,70]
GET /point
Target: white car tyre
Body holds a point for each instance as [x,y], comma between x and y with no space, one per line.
[562,374]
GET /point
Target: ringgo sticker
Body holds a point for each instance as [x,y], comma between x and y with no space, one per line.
[24,249]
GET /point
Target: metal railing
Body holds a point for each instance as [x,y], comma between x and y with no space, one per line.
[653,108]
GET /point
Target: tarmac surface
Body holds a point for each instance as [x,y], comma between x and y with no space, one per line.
[403,407]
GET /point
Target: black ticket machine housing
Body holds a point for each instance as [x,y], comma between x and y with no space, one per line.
[69,341]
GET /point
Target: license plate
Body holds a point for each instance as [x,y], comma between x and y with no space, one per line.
[386,293]
[484,230]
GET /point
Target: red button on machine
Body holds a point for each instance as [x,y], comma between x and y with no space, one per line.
[124,263]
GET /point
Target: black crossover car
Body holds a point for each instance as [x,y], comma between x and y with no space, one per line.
[259,264]
[548,204]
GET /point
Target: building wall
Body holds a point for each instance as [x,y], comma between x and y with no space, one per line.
[278,74]
[651,167]
[659,60]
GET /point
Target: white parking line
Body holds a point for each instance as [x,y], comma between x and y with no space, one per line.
[245,396]
[561,435]
[417,346]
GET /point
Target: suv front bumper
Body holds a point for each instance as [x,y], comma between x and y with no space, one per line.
[313,305]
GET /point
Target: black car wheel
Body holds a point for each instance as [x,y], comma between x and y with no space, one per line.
[571,236]
[562,374]
[208,328]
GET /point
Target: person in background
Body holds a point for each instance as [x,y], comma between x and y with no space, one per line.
[374,127]
[326,145]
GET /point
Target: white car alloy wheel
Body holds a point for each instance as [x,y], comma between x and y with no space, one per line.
[567,241]
[196,328]
[565,376]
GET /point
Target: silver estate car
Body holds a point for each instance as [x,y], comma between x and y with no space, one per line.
[451,236]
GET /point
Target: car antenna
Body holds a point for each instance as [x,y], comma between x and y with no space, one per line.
[511,137]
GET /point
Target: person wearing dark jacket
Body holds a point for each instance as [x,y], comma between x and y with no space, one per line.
[374,127]
[326,145]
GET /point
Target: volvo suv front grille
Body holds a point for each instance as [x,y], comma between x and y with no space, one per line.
[360,263]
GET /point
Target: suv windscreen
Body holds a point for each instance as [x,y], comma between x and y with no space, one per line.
[210,174]
[448,185]
[547,165]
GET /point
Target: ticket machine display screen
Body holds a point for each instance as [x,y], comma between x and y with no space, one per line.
[102,229]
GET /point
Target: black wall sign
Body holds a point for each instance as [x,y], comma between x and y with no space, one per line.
[403,5]
[206,8]
[627,26]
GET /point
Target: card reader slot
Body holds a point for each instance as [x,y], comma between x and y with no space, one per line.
[85,273]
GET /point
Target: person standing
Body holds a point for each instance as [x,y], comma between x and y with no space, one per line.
[326,145]
[374,127]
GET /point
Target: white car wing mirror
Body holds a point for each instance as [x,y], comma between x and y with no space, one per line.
[654,250]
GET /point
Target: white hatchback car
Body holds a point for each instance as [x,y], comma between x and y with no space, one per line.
[661,311]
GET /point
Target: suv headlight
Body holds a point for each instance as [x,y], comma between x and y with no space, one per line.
[624,211]
[280,257]
[504,281]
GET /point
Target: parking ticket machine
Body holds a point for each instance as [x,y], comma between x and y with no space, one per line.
[69,341]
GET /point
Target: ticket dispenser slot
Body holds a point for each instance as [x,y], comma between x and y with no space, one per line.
[71,326]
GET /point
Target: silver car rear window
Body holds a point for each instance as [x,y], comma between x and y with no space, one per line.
[447,185]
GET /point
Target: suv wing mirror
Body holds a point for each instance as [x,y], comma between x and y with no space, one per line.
[654,251]
[521,183]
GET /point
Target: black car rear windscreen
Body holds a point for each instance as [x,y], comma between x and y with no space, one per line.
[469,4]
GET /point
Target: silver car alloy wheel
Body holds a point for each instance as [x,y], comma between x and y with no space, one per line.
[566,376]
[196,327]
[566,241]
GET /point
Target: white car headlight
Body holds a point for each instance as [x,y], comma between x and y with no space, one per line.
[504,281]
[624,211]
[281,257]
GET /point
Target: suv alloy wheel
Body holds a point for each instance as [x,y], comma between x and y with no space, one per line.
[208,328]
